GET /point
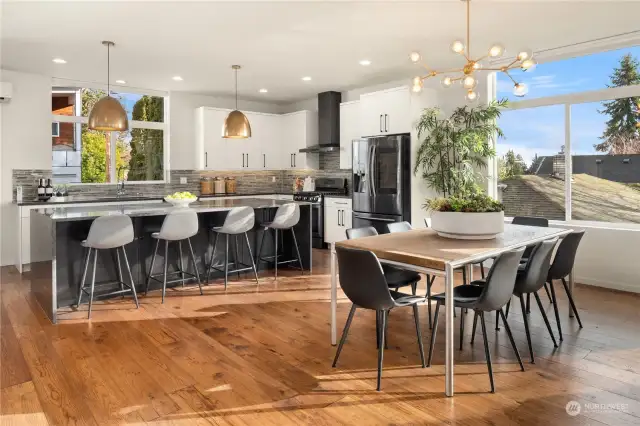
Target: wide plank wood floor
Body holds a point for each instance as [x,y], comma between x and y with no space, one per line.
[261,356]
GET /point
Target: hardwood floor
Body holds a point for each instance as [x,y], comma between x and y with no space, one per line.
[261,355]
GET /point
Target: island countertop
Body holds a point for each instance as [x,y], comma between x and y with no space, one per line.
[67,214]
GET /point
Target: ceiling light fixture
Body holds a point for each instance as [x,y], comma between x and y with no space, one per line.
[263,90]
[524,60]
[108,114]
[306,78]
[236,125]
[177,78]
[121,82]
[59,61]
[365,62]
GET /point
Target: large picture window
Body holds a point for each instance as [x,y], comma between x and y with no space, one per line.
[81,155]
[571,154]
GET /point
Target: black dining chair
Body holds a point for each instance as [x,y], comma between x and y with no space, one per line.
[561,267]
[363,282]
[491,296]
[529,281]
[404,227]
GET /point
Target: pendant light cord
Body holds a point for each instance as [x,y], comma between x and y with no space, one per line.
[236,88]
[108,70]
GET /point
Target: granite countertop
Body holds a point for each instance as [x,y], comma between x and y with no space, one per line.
[66,214]
[74,199]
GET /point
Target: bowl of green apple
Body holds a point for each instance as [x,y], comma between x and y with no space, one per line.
[180,199]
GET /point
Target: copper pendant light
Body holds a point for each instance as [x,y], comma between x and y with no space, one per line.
[236,125]
[108,114]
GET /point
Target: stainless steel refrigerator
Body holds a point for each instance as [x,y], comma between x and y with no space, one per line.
[381,181]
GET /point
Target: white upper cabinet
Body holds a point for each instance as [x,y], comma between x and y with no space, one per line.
[261,150]
[299,130]
[349,130]
[211,151]
[386,112]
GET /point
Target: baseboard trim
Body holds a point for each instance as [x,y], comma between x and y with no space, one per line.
[630,288]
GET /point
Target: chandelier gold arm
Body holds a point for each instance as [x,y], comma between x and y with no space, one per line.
[467,51]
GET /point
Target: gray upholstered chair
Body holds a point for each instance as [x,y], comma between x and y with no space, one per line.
[490,296]
[177,226]
[364,283]
[239,220]
[111,232]
[530,221]
[287,216]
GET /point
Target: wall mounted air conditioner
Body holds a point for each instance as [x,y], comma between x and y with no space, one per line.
[5,92]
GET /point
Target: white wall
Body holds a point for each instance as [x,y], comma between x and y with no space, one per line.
[182,108]
[25,142]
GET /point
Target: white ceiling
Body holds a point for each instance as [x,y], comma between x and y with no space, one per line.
[277,43]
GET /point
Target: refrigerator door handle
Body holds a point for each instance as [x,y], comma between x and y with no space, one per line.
[372,170]
[379,219]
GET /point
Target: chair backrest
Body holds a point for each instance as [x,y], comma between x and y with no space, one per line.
[287,216]
[179,224]
[565,255]
[530,221]
[362,279]
[365,231]
[535,272]
[500,281]
[399,227]
[110,232]
[238,221]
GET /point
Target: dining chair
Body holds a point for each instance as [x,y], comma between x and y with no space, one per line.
[560,268]
[404,227]
[529,281]
[491,296]
[363,282]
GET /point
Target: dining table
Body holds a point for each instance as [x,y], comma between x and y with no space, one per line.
[426,252]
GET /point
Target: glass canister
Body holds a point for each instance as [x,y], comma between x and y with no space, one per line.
[218,186]
[206,186]
[230,185]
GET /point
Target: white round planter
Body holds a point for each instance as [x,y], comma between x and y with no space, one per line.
[468,226]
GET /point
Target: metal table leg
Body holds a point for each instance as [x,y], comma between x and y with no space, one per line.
[334,295]
[449,343]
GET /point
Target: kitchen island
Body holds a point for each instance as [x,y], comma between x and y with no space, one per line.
[55,282]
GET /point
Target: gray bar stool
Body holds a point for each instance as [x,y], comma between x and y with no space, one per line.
[287,216]
[178,225]
[239,220]
[107,233]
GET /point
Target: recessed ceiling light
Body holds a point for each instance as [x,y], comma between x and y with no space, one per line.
[306,78]
[121,82]
[59,61]
[263,90]
[365,62]
[177,78]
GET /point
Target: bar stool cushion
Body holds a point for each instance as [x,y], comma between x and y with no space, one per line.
[238,221]
[287,216]
[179,224]
[109,232]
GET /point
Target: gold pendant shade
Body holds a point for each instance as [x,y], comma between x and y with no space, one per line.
[236,125]
[108,115]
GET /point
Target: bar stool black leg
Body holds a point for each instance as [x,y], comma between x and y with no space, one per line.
[166,264]
[93,282]
[195,265]
[84,277]
[213,255]
[253,264]
[236,257]
[226,260]
[295,243]
[133,284]
[276,253]
[181,262]
[153,261]
[260,247]
[119,271]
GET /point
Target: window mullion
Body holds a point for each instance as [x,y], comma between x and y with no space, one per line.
[568,170]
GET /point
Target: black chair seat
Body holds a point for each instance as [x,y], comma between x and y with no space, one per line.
[399,278]
[403,299]
[463,295]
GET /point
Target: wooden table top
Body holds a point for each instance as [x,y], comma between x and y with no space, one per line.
[425,248]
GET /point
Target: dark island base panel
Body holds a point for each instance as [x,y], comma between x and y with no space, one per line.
[69,256]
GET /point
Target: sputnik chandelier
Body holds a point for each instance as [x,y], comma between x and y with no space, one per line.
[524,60]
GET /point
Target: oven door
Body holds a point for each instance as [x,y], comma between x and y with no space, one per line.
[378,221]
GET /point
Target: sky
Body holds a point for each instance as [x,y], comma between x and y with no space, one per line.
[541,130]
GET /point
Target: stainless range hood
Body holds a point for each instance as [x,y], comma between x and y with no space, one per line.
[328,123]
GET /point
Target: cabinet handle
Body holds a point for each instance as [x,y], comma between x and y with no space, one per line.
[291,160]
[264,160]
[294,160]
[386,127]
[247,160]
[381,124]
[338,217]
[206,159]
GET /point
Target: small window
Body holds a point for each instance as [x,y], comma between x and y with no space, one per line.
[55,129]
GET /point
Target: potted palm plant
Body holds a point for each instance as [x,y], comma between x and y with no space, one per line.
[451,155]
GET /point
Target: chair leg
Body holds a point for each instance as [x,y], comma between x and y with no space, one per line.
[236,257]
[383,327]
[461,327]
[253,264]
[546,289]
[195,265]
[486,350]
[119,271]
[497,321]
[295,243]
[276,253]
[546,320]
[414,288]
[482,270]
[377,329]
[213,256]
[181,262]
[386,326]
[506,314]
[433,334]
[528,303]
[526,327]
[133,284]
[513,343]
[153,261]
[93,281]
[475,323]
[555,308]
[84,276]
[419,333]
[260,247]
[571,302]
[166,264]
[429,284]
[226,260]
[344,334]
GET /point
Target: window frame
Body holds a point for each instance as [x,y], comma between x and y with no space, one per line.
[133,124]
